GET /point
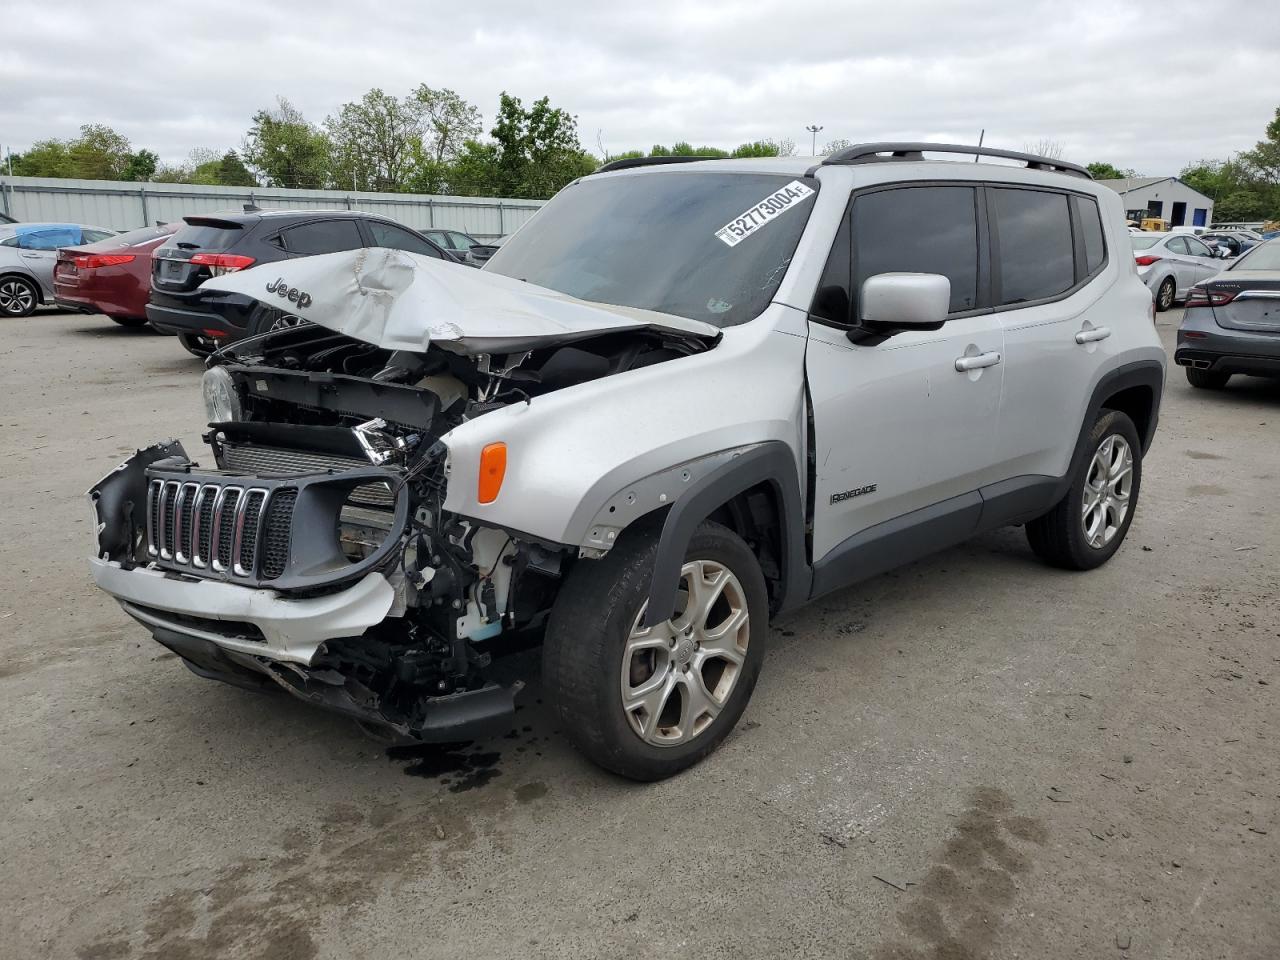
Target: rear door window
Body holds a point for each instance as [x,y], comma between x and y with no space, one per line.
[1178,245]
[1037,260]
[322,236]
[919,230]
[398,238]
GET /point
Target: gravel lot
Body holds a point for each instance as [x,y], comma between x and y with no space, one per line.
[975,756]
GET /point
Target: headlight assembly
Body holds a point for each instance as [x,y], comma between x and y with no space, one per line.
[221,398]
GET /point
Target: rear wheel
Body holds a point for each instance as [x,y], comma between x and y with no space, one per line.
[1207,379]
[647,701]
[196,345]
[18,297]
[266,319]
[1089,523]
[1164,295]
[130,321]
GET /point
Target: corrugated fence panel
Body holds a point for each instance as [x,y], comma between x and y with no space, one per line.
[124,206]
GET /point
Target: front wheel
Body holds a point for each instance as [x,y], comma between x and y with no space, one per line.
[647,701]
[1086,527]
[1165,295]
[18,297]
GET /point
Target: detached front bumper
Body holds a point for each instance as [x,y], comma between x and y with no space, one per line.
[260,623]
[251,635]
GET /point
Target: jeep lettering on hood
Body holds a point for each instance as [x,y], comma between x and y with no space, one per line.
[403,301]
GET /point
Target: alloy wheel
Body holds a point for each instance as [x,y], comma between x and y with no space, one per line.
[1166,295]
[1106,491]
[678,675]
[16,298]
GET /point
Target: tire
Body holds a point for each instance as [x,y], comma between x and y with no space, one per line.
[195,344]
[264,319]
[1207,379]
[1165,294]
[1068,535]
[597,613]
[134,322]
[19,296]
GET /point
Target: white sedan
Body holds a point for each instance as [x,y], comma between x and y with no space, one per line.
[1170,264]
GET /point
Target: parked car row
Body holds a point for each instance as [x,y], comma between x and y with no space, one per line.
[154,274]
[28,255]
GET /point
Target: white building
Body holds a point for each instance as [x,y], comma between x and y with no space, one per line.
[1165,197]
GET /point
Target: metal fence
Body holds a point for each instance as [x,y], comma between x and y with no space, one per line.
[126,206]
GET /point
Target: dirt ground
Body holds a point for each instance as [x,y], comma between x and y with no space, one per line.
[975,756]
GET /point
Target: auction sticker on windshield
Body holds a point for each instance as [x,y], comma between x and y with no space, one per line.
[781,200]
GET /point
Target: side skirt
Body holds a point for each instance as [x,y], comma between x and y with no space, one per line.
[911,536]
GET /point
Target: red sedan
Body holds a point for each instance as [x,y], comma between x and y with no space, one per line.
[112,276]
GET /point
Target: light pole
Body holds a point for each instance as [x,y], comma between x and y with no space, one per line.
[815,130]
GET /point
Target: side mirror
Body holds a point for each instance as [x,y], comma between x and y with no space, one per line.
[905,301]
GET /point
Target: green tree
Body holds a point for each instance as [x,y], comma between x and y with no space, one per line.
[286,150]
[1264,159]
[99,153]
[447,123]
[142,166]
[1105,171]
[537,150]
[375,139]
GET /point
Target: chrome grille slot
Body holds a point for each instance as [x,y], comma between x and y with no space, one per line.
[202,531]
[182,510]
[279,522]
[224,527]
[248,525]
[168,493]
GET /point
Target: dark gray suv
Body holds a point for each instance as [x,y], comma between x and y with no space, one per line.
[211,246]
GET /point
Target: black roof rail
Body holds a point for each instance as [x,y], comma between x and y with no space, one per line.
[880,152]
[629,162]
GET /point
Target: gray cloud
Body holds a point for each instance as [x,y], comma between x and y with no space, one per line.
[1128,83]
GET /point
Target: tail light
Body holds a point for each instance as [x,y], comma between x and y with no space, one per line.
[92,261]
[222,263]
[1204,297]
[1145,260]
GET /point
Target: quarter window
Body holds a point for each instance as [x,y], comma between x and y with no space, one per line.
[920,230]
[323,236]
[1095,251]
[1036,257]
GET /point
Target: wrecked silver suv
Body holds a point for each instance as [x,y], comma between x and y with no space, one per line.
[682,399]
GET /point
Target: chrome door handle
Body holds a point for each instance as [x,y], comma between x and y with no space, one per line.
[964,364]
[1093,334]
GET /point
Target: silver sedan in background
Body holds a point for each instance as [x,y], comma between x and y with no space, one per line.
[1170,264]
[28,254]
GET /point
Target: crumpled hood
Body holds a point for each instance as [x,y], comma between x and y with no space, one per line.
[403,301]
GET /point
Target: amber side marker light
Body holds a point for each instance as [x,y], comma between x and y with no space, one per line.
[493,466]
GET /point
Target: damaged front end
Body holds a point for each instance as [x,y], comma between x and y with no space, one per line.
[315,554]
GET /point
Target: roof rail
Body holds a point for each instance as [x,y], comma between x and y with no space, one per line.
[629,162]
[880,152]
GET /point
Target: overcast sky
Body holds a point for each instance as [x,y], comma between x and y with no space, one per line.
[1150,85]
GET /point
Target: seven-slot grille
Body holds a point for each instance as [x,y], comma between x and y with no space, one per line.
[227,528]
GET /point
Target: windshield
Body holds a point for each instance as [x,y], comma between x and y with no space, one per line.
[1142,243]
[1265,256]
[706,246]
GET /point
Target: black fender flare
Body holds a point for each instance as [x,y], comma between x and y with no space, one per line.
[1140,373]
[771,462]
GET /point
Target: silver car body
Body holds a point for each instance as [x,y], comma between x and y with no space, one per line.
[31,249]
[993,400]
[1179,255]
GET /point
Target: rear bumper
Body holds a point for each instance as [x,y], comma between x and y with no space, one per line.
[78,304]
[1205,345]
[224,318]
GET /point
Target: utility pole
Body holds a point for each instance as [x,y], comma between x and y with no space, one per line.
[815,130]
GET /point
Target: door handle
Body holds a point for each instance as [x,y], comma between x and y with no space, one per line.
[965,364]
[1093,334]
